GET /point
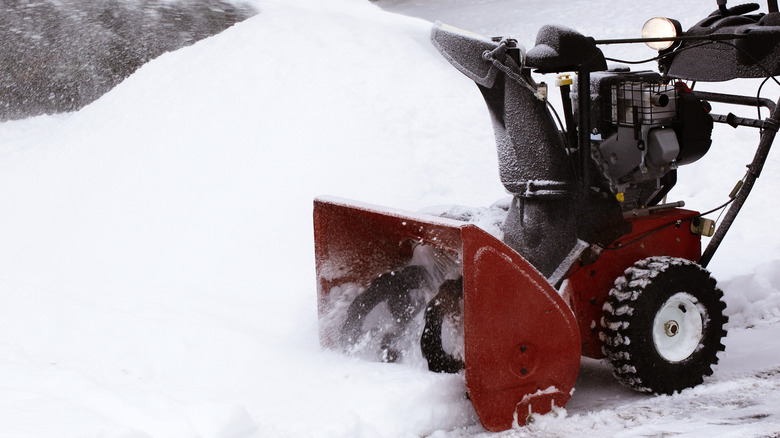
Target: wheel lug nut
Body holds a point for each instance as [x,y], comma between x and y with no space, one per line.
[671,328]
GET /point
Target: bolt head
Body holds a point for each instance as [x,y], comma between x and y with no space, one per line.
[671,328]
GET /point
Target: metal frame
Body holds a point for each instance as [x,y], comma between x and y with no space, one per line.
[769,129]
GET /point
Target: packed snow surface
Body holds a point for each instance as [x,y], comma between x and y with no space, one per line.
[156,247]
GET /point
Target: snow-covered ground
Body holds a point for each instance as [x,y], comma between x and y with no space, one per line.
[156,247]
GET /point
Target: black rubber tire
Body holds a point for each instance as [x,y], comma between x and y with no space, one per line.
[445,303]
[393,288]
[630,317]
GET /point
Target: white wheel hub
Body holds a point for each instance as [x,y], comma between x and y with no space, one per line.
[678,327]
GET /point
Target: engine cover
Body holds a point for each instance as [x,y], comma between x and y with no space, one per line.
[644,127]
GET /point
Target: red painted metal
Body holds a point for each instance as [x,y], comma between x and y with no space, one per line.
[665,233]
[356,242]
[522,342]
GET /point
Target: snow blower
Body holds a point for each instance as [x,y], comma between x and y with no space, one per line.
[591,259]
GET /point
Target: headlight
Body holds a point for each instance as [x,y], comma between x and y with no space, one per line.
[660,27]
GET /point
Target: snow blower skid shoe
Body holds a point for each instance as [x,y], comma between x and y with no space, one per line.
[520,340]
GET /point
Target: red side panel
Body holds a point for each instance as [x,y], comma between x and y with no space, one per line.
[522,341]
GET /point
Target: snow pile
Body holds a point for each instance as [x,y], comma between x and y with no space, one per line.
[157,262]
[753,298]
[157,269]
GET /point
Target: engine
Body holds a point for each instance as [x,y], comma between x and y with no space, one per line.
[643,128]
